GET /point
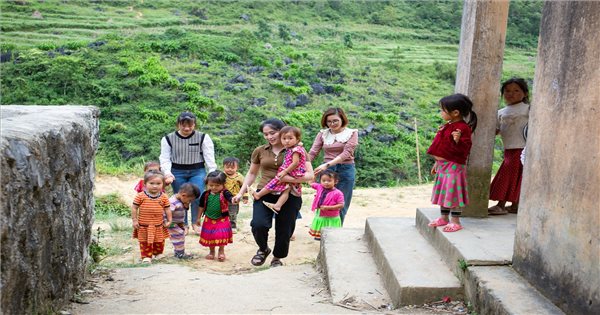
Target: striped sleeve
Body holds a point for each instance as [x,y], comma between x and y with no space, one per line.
[138,199]
[164,201]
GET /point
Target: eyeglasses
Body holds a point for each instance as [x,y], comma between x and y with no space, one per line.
[333,121]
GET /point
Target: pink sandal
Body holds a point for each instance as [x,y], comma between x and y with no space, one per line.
[453,227]
[438,222]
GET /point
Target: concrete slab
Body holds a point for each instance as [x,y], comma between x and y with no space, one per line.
[501,290]
[412,270]
[482,242]
[350,270]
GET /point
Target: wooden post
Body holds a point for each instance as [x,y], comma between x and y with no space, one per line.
[418,154]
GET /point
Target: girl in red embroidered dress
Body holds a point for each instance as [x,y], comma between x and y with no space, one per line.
[214,206]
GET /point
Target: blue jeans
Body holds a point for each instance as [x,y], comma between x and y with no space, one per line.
[347,178]
[195,177]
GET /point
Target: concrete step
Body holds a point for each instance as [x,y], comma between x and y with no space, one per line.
[486,247]
[412,270]
[481,242]
[350,270]
[501,290]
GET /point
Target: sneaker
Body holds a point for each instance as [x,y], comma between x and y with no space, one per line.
[184,256]
[159,256]
[147,260]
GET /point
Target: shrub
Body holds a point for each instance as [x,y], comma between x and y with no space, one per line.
[284,32]
[111,204]
[304,71]
[75,45]
[445,71]
[97,251]
[348,40]
[47,46]
[264,30]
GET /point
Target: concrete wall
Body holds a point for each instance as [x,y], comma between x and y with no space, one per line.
[557,239]
[478,74]
[47,163]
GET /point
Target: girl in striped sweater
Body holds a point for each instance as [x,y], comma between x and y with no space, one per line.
[147,211]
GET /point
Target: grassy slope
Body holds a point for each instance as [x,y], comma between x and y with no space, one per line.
[409,58]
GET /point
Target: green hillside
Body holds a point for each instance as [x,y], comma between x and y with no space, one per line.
[235,63]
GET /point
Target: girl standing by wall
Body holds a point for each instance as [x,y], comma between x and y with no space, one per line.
[450,149]
[512,123]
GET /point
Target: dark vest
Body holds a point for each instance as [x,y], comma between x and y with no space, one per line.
[186,153]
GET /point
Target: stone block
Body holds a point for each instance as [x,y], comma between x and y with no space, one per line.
[47,164]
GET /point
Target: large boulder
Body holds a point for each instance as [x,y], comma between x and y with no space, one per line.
[47,164]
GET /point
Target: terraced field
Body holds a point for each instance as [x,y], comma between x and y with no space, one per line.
[144,61]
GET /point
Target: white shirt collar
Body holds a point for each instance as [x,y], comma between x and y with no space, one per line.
[343,136]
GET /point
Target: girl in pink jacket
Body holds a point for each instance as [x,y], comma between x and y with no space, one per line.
[327,204]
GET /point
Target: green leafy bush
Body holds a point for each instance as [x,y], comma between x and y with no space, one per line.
[111,204]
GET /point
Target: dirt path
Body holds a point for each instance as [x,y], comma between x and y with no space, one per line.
[233,286]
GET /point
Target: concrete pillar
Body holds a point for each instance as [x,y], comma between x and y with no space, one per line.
[557,242]
[478,75]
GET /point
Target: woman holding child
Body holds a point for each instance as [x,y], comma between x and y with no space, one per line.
[338,143]
[266,160]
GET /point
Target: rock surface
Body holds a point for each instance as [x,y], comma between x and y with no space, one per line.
[47,165]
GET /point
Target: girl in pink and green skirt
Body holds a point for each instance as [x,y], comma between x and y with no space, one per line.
[327,204]
[450,149]
[214,207]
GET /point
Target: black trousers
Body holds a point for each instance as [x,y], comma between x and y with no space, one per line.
[285,223]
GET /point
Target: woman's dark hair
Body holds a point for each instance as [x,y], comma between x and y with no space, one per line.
[217,177]
[463,104]
[186,117]
[331,174]
[334,111]
[522,85]
[190,190]
[274,123]
[293,130]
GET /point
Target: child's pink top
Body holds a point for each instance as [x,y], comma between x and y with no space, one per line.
[140,186]
[334,197]
[275,184]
